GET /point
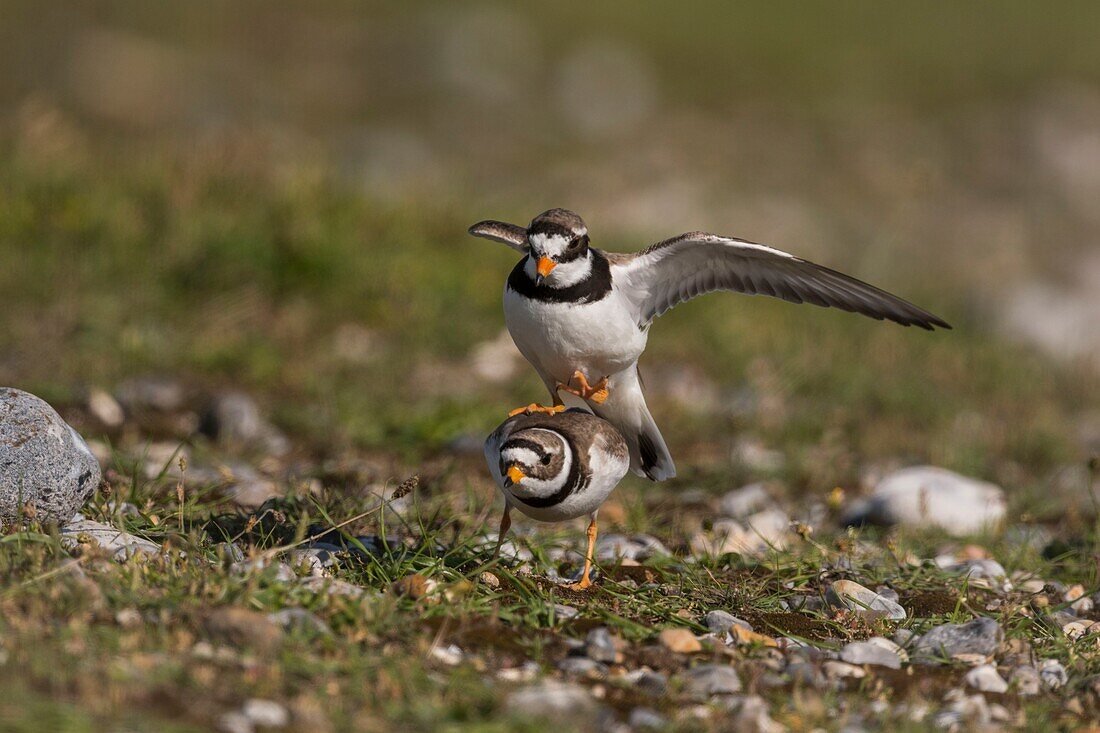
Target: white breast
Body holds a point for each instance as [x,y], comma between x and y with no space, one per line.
[600,339]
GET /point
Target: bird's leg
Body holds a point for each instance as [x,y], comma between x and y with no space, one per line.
[597,393]
[586,581]
[505,524]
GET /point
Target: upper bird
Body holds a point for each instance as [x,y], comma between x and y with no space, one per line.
[579,313]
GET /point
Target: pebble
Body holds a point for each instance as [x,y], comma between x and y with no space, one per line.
[1053,674]
[638,547]
[646,719]
[979,637]
[679,640]
[299,619]
[980,573]
[878,654]
[552,701]
[44,463]
[743,637]
[235,420]
[243,627]
[1026,680]
[986,679]
[265,713]
[121,545]
[451,655]
[711,679]
[565,612]
[162,394]
[601,646]
[756,535]
[719,622]
[105,408]
[752,715]
[650,683]
[926,496]
[314,561]
[862,601]
[332,587]
[582,667]
[747,500]
[842,670]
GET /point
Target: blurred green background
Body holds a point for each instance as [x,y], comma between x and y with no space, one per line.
[274,196]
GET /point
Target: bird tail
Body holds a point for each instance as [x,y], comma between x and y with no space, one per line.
[626,409]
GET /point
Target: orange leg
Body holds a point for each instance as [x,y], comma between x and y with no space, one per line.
[597,393]
[586,581]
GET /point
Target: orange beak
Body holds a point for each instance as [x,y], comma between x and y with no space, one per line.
[546,265]
[515,475]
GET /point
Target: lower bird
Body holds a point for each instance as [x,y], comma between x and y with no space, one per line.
[580,314]
[556,467]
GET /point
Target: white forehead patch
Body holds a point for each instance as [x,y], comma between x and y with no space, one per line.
[548,244]
[526,456]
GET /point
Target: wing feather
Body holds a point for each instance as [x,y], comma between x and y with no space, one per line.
[684,267]
[499,231]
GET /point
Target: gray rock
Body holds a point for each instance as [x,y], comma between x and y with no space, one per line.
[711,679]
[747,500]
[905,638]
[926,496]
[1053,674]
[649,683]
[986,679]
[44,463]
[842,670]
[1026,680]
[806,674]
[600,646]
[582,667]
[121,544]
[865,652]
[862,601]
[719,622]
[332,587]
[265,713]
[151,393]
[565,612]
[639,547]
[752,716]
[235,420]
[299,619]
[981,637]
[551,700]
[316,561]
[646,719]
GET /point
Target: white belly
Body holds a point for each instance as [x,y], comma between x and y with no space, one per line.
[600,339]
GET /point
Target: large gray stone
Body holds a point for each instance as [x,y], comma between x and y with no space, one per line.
[43,461]
[979,637]
[926,496]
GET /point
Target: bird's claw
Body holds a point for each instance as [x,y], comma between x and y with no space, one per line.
[534,408]
[597,392]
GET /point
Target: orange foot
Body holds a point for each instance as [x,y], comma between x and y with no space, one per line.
[597,393]
[533,408]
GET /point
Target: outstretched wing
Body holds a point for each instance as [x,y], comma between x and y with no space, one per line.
[510,234]
[681,268]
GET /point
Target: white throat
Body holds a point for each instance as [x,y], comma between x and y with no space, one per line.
[564,274]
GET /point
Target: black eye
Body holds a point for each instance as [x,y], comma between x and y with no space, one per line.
[546,460]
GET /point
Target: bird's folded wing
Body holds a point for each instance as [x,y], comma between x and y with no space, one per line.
[499,231]
[681,268]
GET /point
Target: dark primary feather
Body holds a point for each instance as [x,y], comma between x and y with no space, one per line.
[678,269]
[499,231]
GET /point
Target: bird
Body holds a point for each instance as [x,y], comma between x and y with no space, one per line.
[578,313]
[556,467]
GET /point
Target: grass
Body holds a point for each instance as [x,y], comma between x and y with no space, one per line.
[227,262]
